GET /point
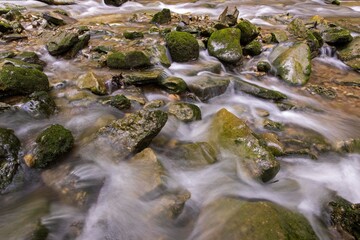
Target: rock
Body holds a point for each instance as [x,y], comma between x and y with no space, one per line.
[9,153]
[92,82]
[162,17]
[297,27]
[120,102]
[30,57]
[337,36]
[224,44]
[262,112]
[128,60]
[143,77]
[82,43]
[161,56]
[335,2]
[248,31]
[185,112]
[7,54]
[182,46]
[173,84]
[5,26]
[258,91]
[231,218]
[345,217]
[57,19]
[50,145]
[279,36]
[133,93]
[254,48]
[232,134]
[349,146]
[350,54]
[154,104]
[206,87]
[263,66]
[21,64]
[62,42]
[272,125]
[134,132]
[13,37]
[133,35]
[315,42]
[325,92]
[40,105]
[273,144]
[21,81]
[58,2]
[292,63]
[116,3]
[229,18]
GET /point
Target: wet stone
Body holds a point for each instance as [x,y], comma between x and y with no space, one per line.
[206,87]
[162,17]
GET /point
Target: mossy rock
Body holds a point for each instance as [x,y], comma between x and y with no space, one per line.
[173,84]
[162,17]
[128,60]
[350,146]
[116,3]
[40,105]
[292,63]
[5,27]
[231,134]
[133,35]
[154,104]
[132,133]
[350,54]
[142,77]
[120,102]
[225,45]
[93,83]
[183,47]
[82,43]
[279,36]
[21,81]
[337,36]
[30,57]
[254,48]
[185,112]
[9,153]
[21,64]
[248,31]
[258,91]
[50,145]
[315,42]
[207,87]
[231,218]
[273,144]
[297,27]
[62,42]
[263,66]
[272,125]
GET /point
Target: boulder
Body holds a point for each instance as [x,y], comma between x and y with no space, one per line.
[49,146]
[248,31]
[182,46]
[206,87]
[162,17]
[116,3]
[128,60]
[350,54]
[158,103]
[21,81]
[258,91]
[9,153]
[231,218]
[134,132]
[185,112]
[231,134]
[272,125]
[62,42]
[224,44]
[173,84]
[254,48]
[292,62]
[337,36]
[5,27]
[40,105]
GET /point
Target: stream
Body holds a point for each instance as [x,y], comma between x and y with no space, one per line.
[113,205]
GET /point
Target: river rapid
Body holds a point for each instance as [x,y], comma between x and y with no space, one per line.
[112,208]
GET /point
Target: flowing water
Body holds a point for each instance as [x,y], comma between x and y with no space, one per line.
[117,212]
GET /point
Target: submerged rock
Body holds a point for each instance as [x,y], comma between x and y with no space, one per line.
[224,44]
[292,62]
[162,17]
[116,3]
[206,87]
[231,133]
[21,81]
[128,60]
[182,46]
[185,112]
[231,218]
[258,91]
[350,54]
[9,153]
[50,145]
[248,31]
[134,132]
[40,105]
[337,36]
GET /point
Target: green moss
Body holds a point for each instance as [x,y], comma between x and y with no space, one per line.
[173,84]
[337,36]
[120,102]
[5,27]
[133,35]
[162,17]
[224,44]
[82,43]
[185,112]
[248,31]
[279,36]
[128,60]
[254,48]
[51,144]
[182,46]
[21,81]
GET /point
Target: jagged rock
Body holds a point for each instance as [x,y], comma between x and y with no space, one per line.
[57,19]
[143,77]
[82,43]
[272,143]
[258,91]
[231,133]
[182,46]
[224,44]
[229,18]
[206,87]
[185,112]
[272,125]
[29,57]
[40,105]
[279,36]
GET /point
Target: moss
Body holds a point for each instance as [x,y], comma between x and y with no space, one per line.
[154,104]
[350,54]
[185,112]
[273,144]
[128,60]
[162,17]
[51,144]
[21,81]
[248,31]
[182,46]
[173,84]
[224,44]
[116,60]
[133,35]
[120,102]
[40,105]
[254,48]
